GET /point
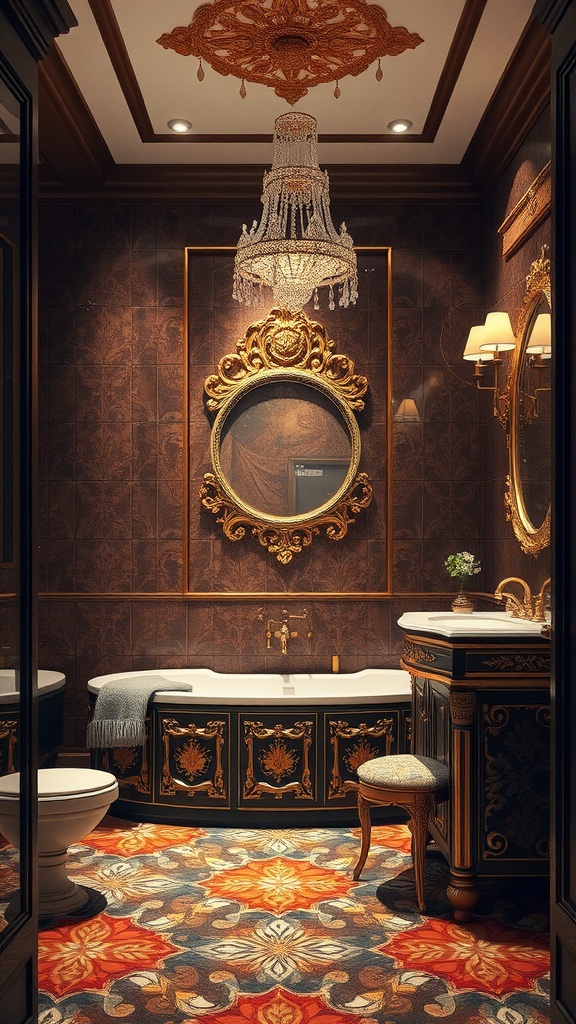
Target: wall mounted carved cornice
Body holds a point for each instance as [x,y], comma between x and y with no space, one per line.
[289,45]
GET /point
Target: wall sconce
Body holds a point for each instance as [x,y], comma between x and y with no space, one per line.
[407,411]
[484,345]
[538,349]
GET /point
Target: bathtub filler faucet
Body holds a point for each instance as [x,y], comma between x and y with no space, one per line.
[279,629]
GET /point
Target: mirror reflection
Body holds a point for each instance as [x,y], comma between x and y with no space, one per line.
[535,430]
[285,449]
[528,498]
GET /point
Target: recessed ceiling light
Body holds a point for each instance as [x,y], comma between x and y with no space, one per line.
[402,124]
[178,124]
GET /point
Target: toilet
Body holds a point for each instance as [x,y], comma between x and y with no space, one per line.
[71,802]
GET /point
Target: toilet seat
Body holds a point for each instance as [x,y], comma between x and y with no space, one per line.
[61,783]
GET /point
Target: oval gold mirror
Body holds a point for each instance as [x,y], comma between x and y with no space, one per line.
[285,443]
[528,496]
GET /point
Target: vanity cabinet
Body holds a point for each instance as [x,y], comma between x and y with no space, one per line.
[481,706]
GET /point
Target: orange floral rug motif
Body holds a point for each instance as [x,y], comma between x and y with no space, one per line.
[132,838]
[279,885]
[485,955]
[74,958]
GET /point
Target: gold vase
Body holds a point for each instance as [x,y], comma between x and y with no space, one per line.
[462,603]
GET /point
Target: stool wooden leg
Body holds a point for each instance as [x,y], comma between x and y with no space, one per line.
[366,826]
[419,819]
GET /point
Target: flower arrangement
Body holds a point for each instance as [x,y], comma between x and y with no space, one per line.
[462,565]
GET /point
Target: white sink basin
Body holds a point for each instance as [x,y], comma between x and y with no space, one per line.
[472,624]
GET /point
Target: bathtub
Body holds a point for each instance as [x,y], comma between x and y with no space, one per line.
[51,686]
[257,749]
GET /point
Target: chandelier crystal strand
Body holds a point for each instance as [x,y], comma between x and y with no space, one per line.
[295,250]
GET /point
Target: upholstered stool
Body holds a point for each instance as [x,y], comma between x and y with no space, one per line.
[410,781]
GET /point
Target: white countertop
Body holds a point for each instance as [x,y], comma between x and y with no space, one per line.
[481,624]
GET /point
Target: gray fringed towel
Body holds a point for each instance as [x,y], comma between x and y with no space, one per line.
[120,712]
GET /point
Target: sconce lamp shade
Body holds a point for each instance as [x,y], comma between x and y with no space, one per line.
[474,350]
[408,411]
[540,341]
[499,336]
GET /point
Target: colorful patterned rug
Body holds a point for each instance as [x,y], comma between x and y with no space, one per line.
[229,926]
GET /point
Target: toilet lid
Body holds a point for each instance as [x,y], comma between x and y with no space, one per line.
[61,782]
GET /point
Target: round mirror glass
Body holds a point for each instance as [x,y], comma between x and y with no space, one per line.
[285,449]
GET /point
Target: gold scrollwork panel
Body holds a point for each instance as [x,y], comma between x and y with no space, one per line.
[353,745]
[130,765]
[193,760]
[277,763]
[516,740]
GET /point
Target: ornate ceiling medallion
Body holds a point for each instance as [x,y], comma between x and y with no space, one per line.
[290,45]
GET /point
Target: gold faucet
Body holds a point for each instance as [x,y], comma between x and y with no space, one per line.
[540,602]
[280,629]
[518,608]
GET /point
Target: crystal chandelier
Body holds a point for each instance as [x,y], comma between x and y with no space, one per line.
[295,250]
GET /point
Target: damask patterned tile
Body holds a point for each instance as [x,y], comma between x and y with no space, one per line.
[170,445]
[57,559]
[57,510]
[170,511]
[171,393]
[145,277]
[104,225]
[410,511]
[407,274]
[104,335]
[407,452]
[103,568]
[144,561]
[170,277]
[145,335]
[199,220]
[436,278]
[169,566]
[170,336]
[57,335]
[103,627]
[104,393]
[57,279]
[144,397]
[158,628]
[144,451]
[103,451]
[103,510]
[408,565]
[103,278]
[57,627]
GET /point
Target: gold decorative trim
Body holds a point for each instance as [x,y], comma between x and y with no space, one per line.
[362,752]
[306,44]
[526,663]
[279,761]
[193,759]
[462,708]
[527,214]
[289,348]
[286,341]
[418,653]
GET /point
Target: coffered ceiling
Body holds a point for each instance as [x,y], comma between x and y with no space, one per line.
[108,90]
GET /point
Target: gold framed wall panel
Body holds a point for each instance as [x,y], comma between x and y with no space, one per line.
[194,411]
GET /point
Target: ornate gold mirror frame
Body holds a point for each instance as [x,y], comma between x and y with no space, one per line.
[532,537]
[285,347]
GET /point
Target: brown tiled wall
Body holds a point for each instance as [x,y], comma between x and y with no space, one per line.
[111,478]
